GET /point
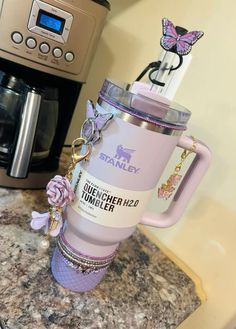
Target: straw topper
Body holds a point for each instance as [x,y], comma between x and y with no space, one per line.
[177,39]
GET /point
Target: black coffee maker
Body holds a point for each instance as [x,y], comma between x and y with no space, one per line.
[45,53]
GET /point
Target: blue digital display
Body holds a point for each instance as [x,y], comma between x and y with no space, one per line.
[50,22]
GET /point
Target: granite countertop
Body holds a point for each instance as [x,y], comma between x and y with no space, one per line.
[142,289]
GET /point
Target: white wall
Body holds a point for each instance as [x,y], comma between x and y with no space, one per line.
[205,236]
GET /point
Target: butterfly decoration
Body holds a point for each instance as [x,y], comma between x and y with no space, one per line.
[94,124]
[177,39]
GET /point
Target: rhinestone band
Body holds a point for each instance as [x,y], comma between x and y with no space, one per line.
[84,256]
[85,264]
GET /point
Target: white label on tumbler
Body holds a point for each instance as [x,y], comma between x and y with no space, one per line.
[108,205]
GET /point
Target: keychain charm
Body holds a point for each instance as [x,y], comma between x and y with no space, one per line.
[167,189]
[60,192]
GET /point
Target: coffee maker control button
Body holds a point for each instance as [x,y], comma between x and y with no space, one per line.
[57,52]
[44,48]
[17,37]
[31,43]
[69,56]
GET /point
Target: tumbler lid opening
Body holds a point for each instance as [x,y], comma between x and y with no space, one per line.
[141,102]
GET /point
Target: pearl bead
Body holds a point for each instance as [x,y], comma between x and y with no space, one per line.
[44,244]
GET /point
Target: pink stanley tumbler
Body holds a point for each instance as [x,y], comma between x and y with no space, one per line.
[115,185]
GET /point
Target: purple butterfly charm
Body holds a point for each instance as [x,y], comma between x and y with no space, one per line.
[94,124]
[177,39]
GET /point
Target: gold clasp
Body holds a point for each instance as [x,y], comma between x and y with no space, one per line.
[76,149]
[76,156]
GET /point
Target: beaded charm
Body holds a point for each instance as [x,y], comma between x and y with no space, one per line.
[166,190]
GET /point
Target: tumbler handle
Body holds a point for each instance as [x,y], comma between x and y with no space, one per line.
[188,185]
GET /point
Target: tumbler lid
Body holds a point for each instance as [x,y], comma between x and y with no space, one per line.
[139,101]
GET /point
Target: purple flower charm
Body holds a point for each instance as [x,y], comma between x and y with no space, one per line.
[59,191]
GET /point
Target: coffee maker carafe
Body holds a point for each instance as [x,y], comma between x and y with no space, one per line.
[28,120]
[45,53]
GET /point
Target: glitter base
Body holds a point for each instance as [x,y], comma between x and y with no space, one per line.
[72,278]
